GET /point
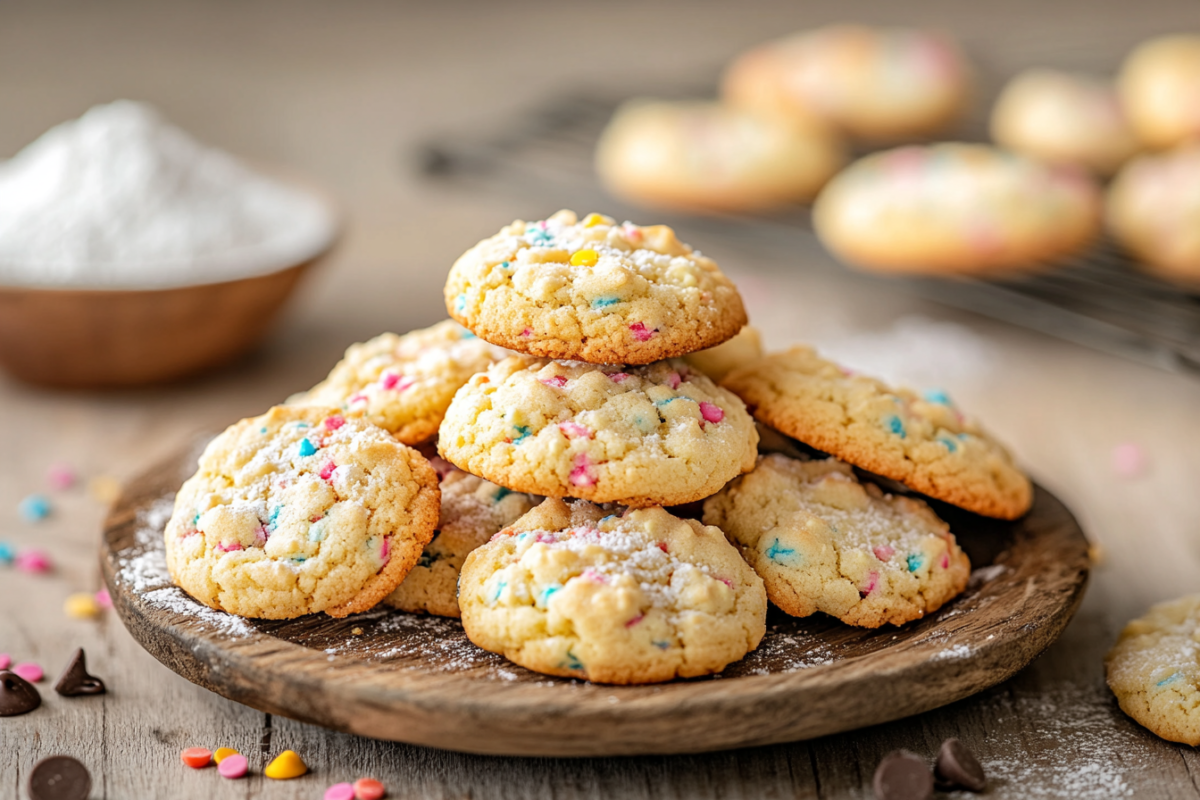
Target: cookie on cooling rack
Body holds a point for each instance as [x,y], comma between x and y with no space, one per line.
[473,510]
[1159,85]
[1154,670]
[403,384]
[876,84]
[611,596]
[922,441]
[705,156]
[593,290]
[952,208]
[301,511]
[661,434]
[1064,118]
[822,541]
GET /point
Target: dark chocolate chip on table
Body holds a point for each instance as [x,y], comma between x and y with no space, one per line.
[957,768]
[902,775]
[75,680]
[17,695]
[59,778]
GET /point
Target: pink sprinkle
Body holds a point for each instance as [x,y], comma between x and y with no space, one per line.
[662,546]
[635,620]
[357,398]
[1130,461]
[229,548]
[527,332]
[884,552]
[103,598]
[333,423]
[711,413]
[385,551]
[618,377]
[261,535]
[340,791]
[234,766]
[632,232]
[32,561]
[190,532]
[315,518]
[945,562]
[673,380]
[583,474]
[641,332]
[592,575]
[558,381]
[61,477]
[574,429]
[725,581]
[5,661]
[29,671]
[872,580]
[327,470]
[390,379]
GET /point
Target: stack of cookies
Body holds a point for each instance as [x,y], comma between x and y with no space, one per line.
[538,465]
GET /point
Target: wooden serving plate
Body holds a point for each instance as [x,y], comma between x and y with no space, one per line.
[417,679]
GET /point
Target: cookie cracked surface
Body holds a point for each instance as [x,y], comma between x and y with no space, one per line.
[822,541]
[578,591]
[593,290]
[661,434]
[301,511]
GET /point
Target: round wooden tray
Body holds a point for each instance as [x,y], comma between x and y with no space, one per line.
[417,679]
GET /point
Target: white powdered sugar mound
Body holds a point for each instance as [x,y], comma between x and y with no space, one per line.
[119,198]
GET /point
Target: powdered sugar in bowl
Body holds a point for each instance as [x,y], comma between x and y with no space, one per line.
[132,254]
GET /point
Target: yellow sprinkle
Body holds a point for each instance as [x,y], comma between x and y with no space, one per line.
[81,605]
[104,488]
[357,631]
[286,765]
[585,258]
[592,220]
[223,753]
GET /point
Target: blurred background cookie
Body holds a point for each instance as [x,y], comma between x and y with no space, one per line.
[871,83]
[704,156]
[1160,89]
[1064,118]
[955,209]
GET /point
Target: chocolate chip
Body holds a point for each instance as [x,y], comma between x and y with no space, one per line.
[59,778]
[902,775]
[17,695]
[957,768]
[76,681]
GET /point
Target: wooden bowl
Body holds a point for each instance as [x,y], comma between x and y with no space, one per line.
[110,338]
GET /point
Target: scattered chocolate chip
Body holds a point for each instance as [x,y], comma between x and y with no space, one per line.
[76,681]
[17,695]
[902,775]
[59,778]
[957,768]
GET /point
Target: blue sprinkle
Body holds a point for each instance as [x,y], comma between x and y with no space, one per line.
[34,508]
[7,553]
[499,588]
[572,662]
[661,403]
[915,560]
[610,516]
[605,302]
[505,264]
[661,645]
[896,426]
[196,519]
[951,445]
[263,429]
[307,448]
[275,512]
[781,554]
[460,302]
[316,531]
[502,493]
[544,597]
[539,236]
[299,559]
[937,396]
[1169,679]
[524,433]
[300,425]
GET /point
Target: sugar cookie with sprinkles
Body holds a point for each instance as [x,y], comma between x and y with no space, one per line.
[661,434]
[636,597]
[1154,670]
[301,511]
[956,208]
[473,510]
[922,441]
[403,384]
[823,541]
[593,290]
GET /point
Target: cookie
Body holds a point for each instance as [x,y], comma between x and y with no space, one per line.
[301,511]
[876,84]
[635,597]
[661,434]
[1153,210]
[955,209]
[923,442]
[704,156]
[1154,670]
[1159,84]
[822,541]
[716,362]
[593,291]
[473,510]
[1064,118]
[403,384]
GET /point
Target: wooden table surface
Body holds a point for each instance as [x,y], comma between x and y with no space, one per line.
[343,91]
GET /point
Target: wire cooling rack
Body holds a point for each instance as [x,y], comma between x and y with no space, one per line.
[1097,299]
